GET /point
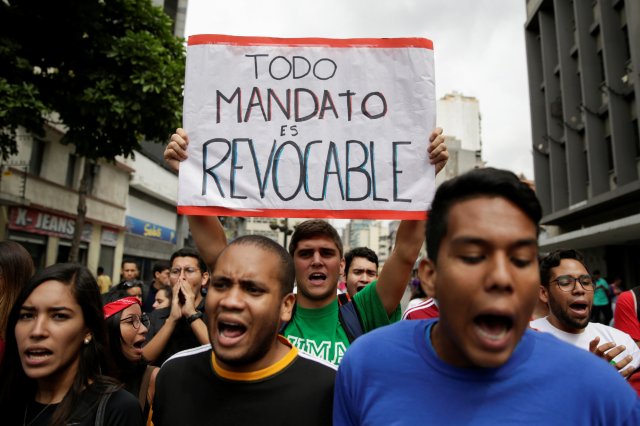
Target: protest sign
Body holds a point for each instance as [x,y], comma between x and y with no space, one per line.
[308,127]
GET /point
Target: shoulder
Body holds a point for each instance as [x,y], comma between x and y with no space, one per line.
[625,299]
[390,338]
[122,409]
[309,361]
[187,356]
[421,310]
[542,324]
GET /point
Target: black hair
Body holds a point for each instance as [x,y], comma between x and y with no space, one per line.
[167,290]
[129,261]
[314,228]
[189,252]
[553,259]
[161,265]
[16,389]
[487,182]
[364,252]
[286,267]
[16,267]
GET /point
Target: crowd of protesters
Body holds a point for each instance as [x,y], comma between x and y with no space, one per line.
[499,334]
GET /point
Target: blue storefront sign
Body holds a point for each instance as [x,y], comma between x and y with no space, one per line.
[150,230]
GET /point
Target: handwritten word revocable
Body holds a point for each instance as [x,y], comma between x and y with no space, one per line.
[359,165]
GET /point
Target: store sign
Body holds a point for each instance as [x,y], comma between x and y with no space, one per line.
[151,230]
[43,223]
[109,237]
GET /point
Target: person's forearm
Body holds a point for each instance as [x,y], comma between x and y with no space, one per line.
[199,328]
[156,345]
[209,237]
[397,269]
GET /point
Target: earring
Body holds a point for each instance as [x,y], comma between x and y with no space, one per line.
[87,340]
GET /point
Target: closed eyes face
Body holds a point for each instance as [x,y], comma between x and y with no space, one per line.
[486,282]
[50,332]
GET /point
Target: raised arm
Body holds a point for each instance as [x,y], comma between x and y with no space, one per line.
[397,269]
[207,231]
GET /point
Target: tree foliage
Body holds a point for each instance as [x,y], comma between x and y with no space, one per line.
[111,69]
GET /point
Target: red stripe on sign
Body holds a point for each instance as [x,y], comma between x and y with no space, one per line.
[329,214]
[297,42]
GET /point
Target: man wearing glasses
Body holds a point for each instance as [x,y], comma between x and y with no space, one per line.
[180,326]
[568,289]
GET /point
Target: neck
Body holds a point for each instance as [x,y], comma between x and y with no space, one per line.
[555,321]
[52,389]
[307,303]
[276,352]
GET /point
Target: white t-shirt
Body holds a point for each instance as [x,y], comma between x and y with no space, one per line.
[592,330]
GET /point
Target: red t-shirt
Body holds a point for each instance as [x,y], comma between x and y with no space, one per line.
[625,317]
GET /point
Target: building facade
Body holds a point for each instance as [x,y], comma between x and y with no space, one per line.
[39,199]
[459,116]
[584,80]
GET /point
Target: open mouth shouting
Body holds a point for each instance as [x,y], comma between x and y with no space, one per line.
[317,278]
[230,332]
[579,309]
[494,330]
[37,356]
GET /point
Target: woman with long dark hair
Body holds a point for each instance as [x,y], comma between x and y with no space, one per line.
[16,267]
[56,356]
[127,327]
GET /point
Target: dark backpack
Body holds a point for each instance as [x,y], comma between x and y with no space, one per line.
[348,316]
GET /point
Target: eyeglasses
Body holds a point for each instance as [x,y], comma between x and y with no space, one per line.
[135,320]
[568,283]
[187,271]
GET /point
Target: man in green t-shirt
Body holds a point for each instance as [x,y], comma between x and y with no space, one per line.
[317,252]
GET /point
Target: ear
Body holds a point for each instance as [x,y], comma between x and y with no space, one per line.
[205,280]
[286,307]
[427,276]
[544,294]
[342,271]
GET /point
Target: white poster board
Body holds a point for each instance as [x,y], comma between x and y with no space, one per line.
[334,128]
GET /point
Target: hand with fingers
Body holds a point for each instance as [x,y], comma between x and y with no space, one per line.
[176,309]
[188,308]
[437,150]
[176,150]
[609,351]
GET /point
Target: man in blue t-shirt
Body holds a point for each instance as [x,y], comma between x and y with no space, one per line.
[479,363]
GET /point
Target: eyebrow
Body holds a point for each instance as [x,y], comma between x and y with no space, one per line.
[482,242]
[51,309]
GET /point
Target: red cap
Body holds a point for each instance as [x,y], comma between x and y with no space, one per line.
[119,305]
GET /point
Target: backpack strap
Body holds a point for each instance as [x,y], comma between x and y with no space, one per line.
[350,320]
[349,317]
[144,386]
[636,294]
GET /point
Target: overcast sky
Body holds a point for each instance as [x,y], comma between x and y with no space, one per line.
[478,46]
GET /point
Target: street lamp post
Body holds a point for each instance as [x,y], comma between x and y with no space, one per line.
[282,227]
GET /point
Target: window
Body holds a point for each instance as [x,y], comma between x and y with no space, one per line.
[37,155]
[71,171]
